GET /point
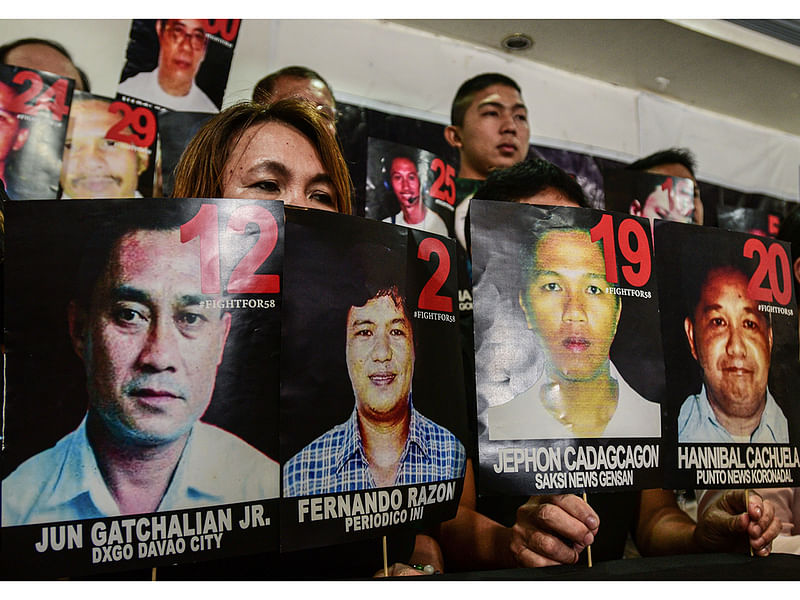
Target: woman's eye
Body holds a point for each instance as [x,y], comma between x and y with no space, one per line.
[323,198]
[268,186]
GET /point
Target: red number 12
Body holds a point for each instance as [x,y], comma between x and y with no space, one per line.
[243,279]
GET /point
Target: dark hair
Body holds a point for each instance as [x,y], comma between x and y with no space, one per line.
[681,156]
[469,88]
[265,88]
[528,178]
[128,218]
[6,48]
[790,232]
[199,172]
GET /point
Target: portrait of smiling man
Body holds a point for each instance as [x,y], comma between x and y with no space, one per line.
[182,49]
[94,166]
[579,392]
[151,345]
[731,340]
[386,441]
[404,177]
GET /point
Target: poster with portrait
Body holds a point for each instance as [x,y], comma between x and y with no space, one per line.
[34,110]
[110,149]
[142,383]
[569,371]
[175,131]
[179,64]
[649,195]
[373,419]
[411,187]
[729,327]
[748,220]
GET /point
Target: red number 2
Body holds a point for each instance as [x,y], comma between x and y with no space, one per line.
[429,298]
[243,279]
[444,187]
[140,119]
[768,260]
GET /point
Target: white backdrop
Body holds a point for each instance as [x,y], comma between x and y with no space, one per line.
[402,70]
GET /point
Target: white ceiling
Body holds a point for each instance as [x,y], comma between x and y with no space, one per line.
[711,64]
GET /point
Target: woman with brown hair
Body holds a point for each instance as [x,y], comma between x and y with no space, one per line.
[283,151]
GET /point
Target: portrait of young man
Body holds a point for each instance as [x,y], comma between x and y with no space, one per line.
[150,343]
[182,48]
[568,305]
[95,166]
[405,182]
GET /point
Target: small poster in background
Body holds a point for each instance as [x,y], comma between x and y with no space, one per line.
[34,111]
[373,415]
[748,220]
[567,350]
[179,64]
[411,187]
[649,195]
[728,313]
[109,151]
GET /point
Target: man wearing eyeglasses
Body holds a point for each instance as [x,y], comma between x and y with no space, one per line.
[182,48]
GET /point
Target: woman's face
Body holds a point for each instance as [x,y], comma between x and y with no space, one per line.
[274,161]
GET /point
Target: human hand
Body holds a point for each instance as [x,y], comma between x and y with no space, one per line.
[402,570]
[726,523]
[552,530]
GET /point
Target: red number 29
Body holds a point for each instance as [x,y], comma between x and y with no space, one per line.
[141,120]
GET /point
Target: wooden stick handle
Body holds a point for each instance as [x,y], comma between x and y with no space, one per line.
[589,547]
[385,563]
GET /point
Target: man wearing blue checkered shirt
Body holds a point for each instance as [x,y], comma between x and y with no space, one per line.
[386,441]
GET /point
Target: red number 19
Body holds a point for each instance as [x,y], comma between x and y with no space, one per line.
[638,255]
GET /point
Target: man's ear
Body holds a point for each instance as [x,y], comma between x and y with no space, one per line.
[142,160]
[688,327]
[524,306]
[158,28]
[76,321]
[635,208]
[797,271]
[452,136]
[226,325]
[22,137]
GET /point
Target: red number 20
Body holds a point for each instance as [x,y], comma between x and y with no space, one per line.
[429,298]
[243,279]
[768,260]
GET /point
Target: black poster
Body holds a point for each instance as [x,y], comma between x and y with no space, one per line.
[34,110]
[372,403]
[729,327]
[411,187]
[179,64]
[140,414]
[568,365]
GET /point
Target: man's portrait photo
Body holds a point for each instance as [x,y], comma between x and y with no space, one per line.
[31,134]
[390,436]
[400,179]
[722,340]
[574,388]
[650,195]
[150,343]
[164,62]
[94,165]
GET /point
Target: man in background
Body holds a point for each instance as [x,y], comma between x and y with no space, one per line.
[296,82]
[44,55]
[675,162]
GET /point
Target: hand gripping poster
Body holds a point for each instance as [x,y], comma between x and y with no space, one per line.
[179,64]
[34,109]
[140,414]
[729,326]
[568,362]
[411,187]
[109,151]
[372,404]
